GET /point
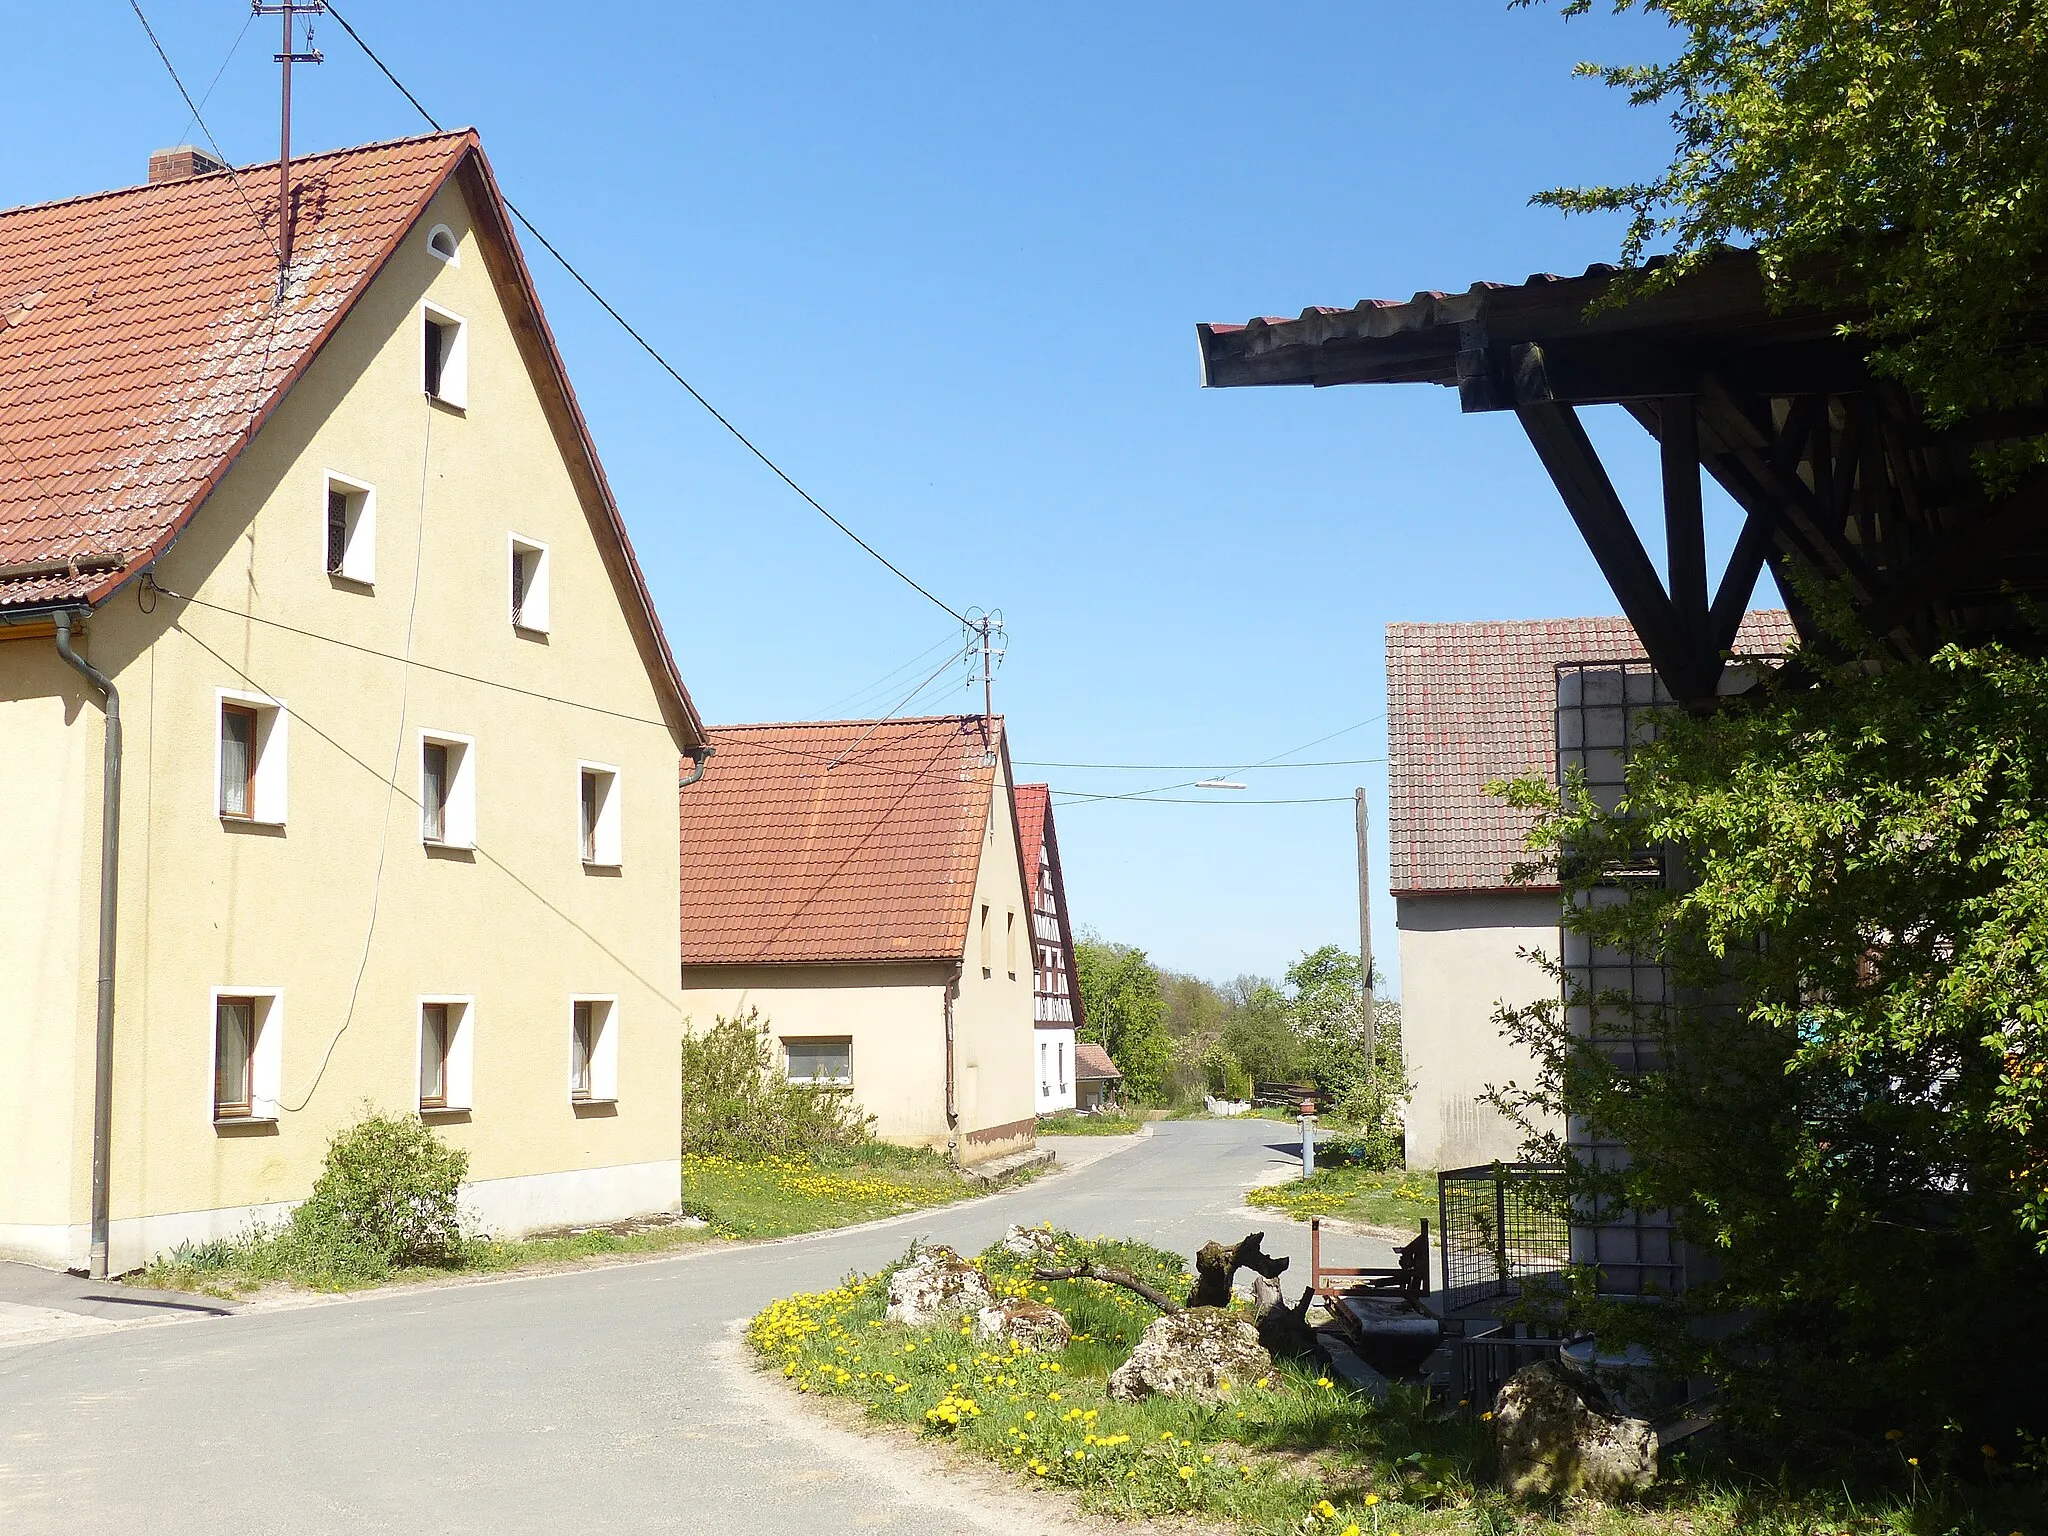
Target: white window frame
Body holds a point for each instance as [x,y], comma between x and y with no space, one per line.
[604,1055]
[454,388]
[359,543]
[458,814]
[531,614]
[266,1067]
[273,736]
[818,1082]
[461,1050]
[608,851]
[453,255]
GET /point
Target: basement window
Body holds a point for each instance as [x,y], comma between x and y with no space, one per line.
[446,338]
[249,747]
[350,508]
[248,1053]
[447,790]
[529,585]
[819,1063]
[446,1059]
[597,814]
[441,243]
[593,1050]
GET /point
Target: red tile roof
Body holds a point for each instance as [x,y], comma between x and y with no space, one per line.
[143,345]
[1092,1064]
[1470,703]
[1032,802]
[846,841]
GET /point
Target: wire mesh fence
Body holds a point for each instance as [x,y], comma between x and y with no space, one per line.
[1498,1226]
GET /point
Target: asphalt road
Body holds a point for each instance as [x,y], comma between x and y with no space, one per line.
[614,1399]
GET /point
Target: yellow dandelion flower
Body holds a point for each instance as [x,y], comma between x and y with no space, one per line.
[1371,1499]
[1186,1473]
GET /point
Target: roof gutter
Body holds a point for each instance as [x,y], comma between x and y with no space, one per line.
[700,759]
[110,873]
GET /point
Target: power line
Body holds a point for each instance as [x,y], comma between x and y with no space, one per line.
[649,348]
[219,153]
[233,48]
[1340,762]
[1163,789]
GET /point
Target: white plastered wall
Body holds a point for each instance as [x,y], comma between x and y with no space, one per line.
[1054,1095]
[1460,959]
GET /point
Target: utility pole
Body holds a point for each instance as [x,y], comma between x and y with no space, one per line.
[285,12]
[1365,931]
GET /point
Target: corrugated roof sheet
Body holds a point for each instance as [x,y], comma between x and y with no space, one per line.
[141,341]
[844,841]
[1092,1064]
[1471,703]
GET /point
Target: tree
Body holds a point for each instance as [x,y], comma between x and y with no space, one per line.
[1888,158]
[1847,1097]
[1126,1013]
[1257,1031]
[1327,1014]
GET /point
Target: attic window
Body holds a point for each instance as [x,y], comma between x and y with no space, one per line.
[351,525]
[529,585]
[446,360]
[441,241]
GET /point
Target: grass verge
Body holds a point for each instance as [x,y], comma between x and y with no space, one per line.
[1387,1198]
[783,1196]
[1291,1452]
[1068,1124]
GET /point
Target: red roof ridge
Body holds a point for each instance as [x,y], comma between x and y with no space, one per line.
[828,725]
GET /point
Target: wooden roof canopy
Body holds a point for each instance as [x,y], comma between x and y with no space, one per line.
[1834,468]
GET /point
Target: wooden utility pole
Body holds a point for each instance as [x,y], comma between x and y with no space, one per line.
[1365,931]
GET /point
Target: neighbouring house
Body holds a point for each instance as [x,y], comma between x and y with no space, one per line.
[861,886]
[1468,704]
[1055,1000]
[389,817]
[1095,1077]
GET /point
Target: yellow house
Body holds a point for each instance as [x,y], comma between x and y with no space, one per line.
[388,816]
[861,884]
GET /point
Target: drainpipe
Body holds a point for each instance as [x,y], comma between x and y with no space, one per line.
[952,1107]
[700,759]
[110,890]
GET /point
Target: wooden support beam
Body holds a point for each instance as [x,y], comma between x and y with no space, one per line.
[1560,441]
[1685,524]
[1738,581]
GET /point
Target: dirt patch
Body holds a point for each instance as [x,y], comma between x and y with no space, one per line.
[632,1226]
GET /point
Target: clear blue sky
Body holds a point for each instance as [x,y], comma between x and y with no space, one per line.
[945,263]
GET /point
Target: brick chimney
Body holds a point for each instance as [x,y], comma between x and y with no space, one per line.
[180,163]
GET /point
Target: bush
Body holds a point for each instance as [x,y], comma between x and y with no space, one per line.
[738,1105]
[386,1197]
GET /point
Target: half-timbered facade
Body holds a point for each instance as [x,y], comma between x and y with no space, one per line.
[1055,995]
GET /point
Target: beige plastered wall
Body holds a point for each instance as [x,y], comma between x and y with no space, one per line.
[1460,959]
[343,907]
[895,1017]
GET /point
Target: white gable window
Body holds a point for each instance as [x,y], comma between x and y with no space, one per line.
[441,244]
[248,1053]
[529,575]
[597,814]
[593,1050]
[249,740]
[447,1055]
[445,337]
[447,789]
[349,521]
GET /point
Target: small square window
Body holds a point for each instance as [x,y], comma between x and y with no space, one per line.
[593,1050]
[447,790]
[445,1053]
[820,1063]
[446,364]
[351,529]
[529,585]
[597,814]
[250,736]
[248,1028]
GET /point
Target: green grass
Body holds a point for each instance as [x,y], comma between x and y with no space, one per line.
[738,1200]
[1396,1198]
[1070,1124]
[782,1196]
[1292,1452]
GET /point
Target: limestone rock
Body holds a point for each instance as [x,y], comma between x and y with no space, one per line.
[1189,1354]
[1031,1242]
[935,1287]
[1030,1323]
[1557,1433]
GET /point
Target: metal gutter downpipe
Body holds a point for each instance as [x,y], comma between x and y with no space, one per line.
[700,759]
[110,890]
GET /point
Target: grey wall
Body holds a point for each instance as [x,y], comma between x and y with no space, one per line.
[1459,961]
